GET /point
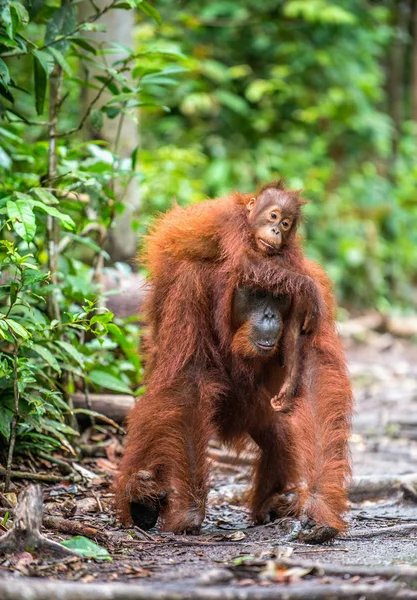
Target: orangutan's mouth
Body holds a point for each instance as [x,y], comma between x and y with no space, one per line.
[270,246]
[265,346]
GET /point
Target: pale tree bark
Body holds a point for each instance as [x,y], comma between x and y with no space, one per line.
[414,63]
[396,71]
[121,132]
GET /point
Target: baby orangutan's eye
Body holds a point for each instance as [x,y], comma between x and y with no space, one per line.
[286,224]
[273,215]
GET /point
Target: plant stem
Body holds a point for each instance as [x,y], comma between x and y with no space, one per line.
[13,425]
[52,223]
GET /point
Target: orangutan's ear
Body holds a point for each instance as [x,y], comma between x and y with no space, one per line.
[251,204]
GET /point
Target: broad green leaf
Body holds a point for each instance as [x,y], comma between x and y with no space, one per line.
[47,355]
[45,196]
[23,219]
[20,12]
[66,220]
[17,328]
[86,547]
[109,381]
[40,74]
[63,21]
[149,10]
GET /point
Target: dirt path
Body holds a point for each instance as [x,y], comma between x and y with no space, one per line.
[261,561]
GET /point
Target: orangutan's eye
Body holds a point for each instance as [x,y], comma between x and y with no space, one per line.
[273,215]
[286,224]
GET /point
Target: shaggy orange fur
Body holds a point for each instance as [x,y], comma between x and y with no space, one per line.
[198,387]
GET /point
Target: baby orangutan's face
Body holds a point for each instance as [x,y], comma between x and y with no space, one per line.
[273,216]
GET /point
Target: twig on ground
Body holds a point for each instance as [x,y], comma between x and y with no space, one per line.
[144,533]
[97,499]
[370,533]
[40,476]
[75,528]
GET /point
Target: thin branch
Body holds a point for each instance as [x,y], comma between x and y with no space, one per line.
[87,112]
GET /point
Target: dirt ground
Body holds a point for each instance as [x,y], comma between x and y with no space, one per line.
[231,558]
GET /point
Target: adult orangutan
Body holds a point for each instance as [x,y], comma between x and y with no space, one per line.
[218,269]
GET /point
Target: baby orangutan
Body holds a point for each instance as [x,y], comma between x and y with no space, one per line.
[274,218]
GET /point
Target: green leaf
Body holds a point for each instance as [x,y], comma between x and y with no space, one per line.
[102,318]
[84,43]
[17,328]
[66,220]
[6,416]
[60,59]
[4,73]
[5,160]
[23,219]
[149,10]
[134,157]
[126,4]
[6,19]
[87,548]
[45,196]
[47,355]
[72,352]
[63,21]
[40,74]
[96,118]
[110,85]
[20,13]
[109,381]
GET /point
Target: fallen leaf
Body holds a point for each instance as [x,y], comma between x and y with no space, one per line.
[86,548]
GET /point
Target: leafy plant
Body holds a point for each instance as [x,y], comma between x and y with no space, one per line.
[58,201]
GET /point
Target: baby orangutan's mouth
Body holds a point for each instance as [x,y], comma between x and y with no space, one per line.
[267,244]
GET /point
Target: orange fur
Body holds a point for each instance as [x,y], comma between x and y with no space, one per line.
[202,382]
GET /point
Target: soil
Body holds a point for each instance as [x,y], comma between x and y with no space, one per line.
[230,551]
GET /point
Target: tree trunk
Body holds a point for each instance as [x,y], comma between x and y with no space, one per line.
[120,131]
[396,72]
[414,63]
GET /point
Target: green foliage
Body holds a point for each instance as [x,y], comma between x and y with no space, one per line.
[57,204]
